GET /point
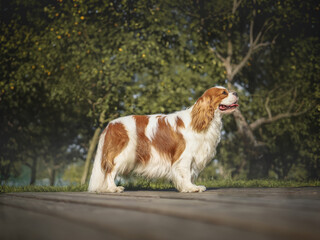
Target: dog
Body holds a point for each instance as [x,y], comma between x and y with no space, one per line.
[176,146]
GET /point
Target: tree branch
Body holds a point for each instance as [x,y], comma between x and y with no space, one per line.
[245,130]
[270,118]
[266,105]
[222,59]
[254,44]
[251,26]
[263,120]
[264,44]
[251,32]
[235,5]
[240,65]
[284,95]
[293,99]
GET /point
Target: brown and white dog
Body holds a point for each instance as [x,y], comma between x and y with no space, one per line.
[177,146]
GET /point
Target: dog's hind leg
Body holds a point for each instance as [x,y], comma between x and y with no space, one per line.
[113,146]
[109,183]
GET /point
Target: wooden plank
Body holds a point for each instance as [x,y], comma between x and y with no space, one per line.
[171,206]
[268,213]
[17,224]
[307,198]
[304,199]
[122,223]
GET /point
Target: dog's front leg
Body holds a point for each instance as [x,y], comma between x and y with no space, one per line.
[181,177]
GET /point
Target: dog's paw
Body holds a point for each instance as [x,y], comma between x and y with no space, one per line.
[118,189]
[201,188]
[194,189]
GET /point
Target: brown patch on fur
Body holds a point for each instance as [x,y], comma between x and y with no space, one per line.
[168,142]
[115,140]
[203,110]
[143,143]
[179,122]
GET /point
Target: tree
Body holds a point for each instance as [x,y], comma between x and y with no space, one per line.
[16,28]
[141,58]
[37,126]
[240,33]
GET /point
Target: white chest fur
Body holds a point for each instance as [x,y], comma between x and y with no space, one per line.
[202,147]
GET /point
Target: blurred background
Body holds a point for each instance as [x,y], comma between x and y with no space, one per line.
[69,67]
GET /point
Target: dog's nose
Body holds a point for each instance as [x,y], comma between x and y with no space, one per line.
[235,93]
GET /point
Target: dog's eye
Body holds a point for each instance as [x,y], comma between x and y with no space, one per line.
[225,93]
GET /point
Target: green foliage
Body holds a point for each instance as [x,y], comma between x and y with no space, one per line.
[73,173]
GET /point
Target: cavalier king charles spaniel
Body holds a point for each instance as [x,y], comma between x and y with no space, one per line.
[176,146]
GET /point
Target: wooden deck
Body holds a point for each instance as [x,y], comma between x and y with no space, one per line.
[254,213]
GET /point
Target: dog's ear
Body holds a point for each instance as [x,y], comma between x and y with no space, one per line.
[203,112]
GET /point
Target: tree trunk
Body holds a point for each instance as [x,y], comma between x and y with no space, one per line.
[33,171]
[5,172]
[52,175]
[92,147]
[255,150]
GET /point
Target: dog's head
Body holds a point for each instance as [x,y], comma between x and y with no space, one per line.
[219,98]
[229,102]
[214,99]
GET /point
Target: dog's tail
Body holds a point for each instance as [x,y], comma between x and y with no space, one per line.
[98,175]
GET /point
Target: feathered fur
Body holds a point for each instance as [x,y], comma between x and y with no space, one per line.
[177,146]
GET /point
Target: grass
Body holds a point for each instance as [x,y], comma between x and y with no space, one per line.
[163,185]
[262,183]
[30,188]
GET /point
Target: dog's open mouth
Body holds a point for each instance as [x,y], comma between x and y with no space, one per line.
[228,107]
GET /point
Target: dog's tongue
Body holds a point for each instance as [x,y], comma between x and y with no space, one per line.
[234,105]
[222,107]
[225,107]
